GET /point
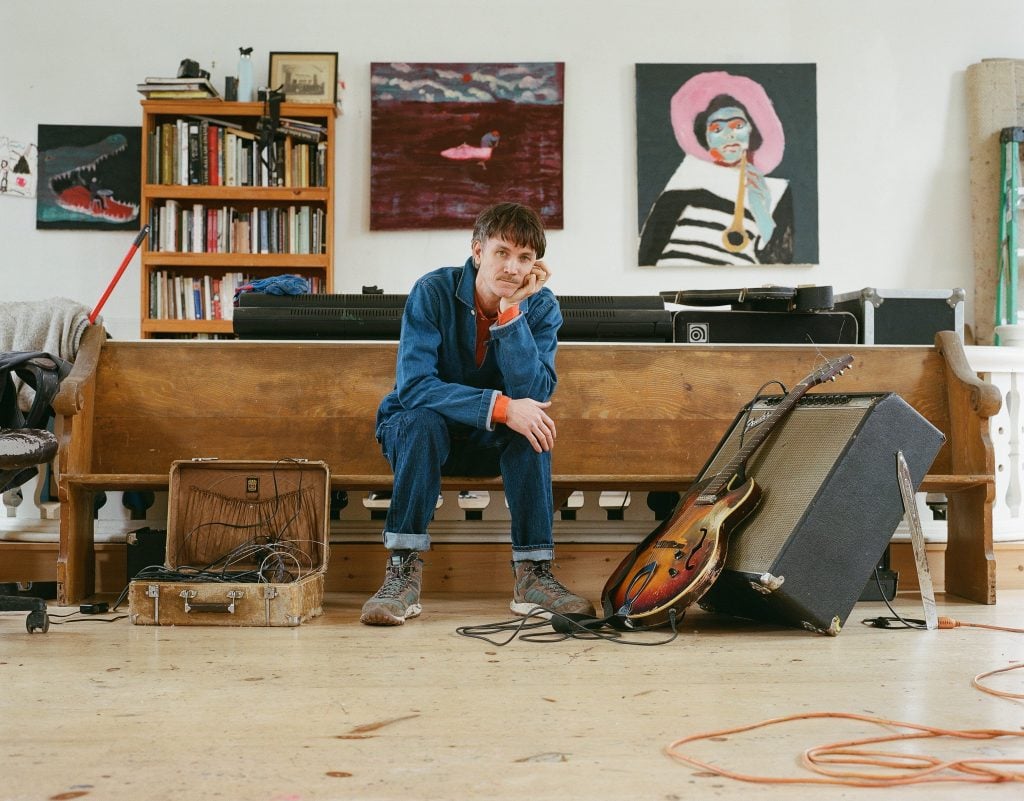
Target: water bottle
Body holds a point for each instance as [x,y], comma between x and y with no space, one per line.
[245,75]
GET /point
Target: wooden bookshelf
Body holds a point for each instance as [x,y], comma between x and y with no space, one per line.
[223,210]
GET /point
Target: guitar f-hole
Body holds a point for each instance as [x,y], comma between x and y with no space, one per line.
[689,560]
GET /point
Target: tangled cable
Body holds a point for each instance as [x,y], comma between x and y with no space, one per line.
[904,768]
[556,628]
[976,682]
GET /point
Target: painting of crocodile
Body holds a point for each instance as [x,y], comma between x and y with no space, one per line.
[88,177]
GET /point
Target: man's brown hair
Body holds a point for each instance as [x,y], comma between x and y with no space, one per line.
[515,223]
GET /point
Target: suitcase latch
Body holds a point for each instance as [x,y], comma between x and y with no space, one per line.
[153,591]
[269,593]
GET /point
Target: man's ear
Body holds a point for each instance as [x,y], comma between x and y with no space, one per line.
[477,251]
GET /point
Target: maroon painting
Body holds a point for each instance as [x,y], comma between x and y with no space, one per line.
[451,139]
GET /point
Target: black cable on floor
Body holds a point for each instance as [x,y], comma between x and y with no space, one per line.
[896,621]
[562,627]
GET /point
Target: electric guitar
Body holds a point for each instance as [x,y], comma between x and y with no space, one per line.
[680,560]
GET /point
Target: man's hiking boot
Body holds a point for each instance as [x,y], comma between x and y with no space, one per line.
[536,587]
[399,595]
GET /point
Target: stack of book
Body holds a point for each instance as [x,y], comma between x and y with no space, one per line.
[177,88]
[303,130]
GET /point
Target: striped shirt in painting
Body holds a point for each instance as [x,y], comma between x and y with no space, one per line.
[710,193]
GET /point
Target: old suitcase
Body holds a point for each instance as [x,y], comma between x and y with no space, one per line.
[247,545]
[904,316]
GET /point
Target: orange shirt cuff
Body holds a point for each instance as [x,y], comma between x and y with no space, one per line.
[500,412]
[508,315]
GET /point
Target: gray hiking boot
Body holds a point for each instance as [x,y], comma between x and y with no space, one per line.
[535,586]
[399,595]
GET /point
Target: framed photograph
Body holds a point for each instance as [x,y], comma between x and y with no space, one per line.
[305,77]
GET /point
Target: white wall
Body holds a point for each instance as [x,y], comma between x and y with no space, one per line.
[893,171]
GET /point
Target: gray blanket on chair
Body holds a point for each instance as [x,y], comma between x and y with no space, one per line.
[54,325]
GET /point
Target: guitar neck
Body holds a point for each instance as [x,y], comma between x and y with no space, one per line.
[712,490]
[751,444]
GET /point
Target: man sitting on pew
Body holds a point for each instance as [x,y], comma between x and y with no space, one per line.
[475,374]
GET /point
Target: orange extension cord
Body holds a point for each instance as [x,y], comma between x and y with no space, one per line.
[901,768]
[951,623]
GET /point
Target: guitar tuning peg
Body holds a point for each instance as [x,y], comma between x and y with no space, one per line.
[833,378]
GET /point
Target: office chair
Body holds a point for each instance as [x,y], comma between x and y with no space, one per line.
[22,450]
[25,443]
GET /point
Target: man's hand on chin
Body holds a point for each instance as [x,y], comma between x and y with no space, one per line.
[532,284]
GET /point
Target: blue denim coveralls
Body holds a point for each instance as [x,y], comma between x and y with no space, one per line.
[437,420]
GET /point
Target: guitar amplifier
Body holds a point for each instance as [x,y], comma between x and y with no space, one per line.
[830,504]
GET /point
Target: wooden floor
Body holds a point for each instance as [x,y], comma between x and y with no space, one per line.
[333,709]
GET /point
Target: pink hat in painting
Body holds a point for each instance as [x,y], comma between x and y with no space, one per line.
[694,96]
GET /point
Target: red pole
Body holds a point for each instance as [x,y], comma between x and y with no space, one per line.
[117,277]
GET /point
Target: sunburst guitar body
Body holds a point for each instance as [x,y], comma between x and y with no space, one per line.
[680,560]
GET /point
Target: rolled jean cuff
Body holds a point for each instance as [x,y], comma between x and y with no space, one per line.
[406,542]
[532,553]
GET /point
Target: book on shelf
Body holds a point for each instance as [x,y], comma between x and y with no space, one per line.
[157,88]
[234,126]
[215,297]
[302,129]
[166,150]
[303,125]
[192,85]
[215,121]
[177,81]
[195,156]
[178,94]
[302,134]
[197,299]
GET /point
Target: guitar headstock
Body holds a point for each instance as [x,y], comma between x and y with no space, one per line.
[830,370]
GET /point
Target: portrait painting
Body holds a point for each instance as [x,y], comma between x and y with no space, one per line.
[88,177]
[447,139]
[727,168]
